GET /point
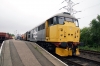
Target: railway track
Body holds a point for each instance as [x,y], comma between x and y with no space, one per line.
[80,60]
[89,51]
[92,55]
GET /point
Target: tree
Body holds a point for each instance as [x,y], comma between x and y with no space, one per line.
[95,30]
[85,35]
[91,35]
[10,34]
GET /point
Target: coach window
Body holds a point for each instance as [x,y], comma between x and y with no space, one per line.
[43,25]
[36,29]
[28,36]
[40,27]
[28,32]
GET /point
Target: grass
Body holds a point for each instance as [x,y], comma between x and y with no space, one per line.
[37,49]
[90,48]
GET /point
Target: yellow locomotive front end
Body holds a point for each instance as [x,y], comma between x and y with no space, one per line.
[64,33]
[68,38]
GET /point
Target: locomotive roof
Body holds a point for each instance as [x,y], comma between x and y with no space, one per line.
[65,14]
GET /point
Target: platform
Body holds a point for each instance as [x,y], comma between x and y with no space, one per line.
[23,53]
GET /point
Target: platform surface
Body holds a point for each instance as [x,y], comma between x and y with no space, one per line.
[23,53]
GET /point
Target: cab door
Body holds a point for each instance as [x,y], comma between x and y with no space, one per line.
[48,23]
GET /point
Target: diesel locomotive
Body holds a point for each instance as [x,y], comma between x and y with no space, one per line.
[60,34]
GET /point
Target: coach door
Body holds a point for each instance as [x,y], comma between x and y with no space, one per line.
[47,30]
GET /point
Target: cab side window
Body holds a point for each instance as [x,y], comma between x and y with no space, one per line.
[50,21]
[54,21]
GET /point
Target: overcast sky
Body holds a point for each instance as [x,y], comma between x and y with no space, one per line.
[23,15]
